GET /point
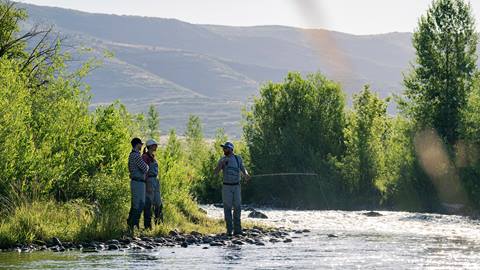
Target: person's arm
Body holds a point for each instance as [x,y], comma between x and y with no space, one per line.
[148,183]
[244,170]
[141,164]
[219,167]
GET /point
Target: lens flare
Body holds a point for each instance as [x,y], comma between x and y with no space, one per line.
[332,61]
[436,162]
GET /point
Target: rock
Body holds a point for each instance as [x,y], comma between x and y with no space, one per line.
[253,234]
[218,205]
[179,238]
[90,250]
[191,240]
[135,247]
[237,242]
[159,240]
[39,242]
[112,242]
[216,244]
[305,231]
[332,235]
[372,214]
[195,233]
[259,243]
[257,214]
[125,241]
[298,231]
[205,248]
[173,233]
[250,241]
[113,247]
[260,229]
[207,240]
[147,239]
[184,244]
[288,240]
[248,208]
[274,240]
[90,245]
[56,241]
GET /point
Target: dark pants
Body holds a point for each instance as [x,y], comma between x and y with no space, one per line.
[147,215]
[153,200]
[232,199]
[137,189]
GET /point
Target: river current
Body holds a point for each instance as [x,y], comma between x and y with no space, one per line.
[337,240]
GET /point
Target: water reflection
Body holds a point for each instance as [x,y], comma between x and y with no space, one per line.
[232,254]
[397,240]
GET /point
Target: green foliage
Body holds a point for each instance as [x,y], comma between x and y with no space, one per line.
[440,82]
[196,146]
[64,167]
[9,31]
[301,117]
[366,138]
[295,126]
[440,95]
[153,123]
[209,187]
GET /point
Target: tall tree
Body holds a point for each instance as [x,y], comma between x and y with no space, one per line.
[295,124]
[195,141]
[366,136]
[153,123]
[439,83]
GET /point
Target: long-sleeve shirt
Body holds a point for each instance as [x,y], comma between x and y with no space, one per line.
[136,164]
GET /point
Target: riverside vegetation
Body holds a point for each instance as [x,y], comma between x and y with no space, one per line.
[64,169]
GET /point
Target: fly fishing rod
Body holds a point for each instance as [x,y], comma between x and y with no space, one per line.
[283,174]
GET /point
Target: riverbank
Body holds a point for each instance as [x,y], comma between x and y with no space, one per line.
[251,236]
[76,225]
[77,222]
[337,240]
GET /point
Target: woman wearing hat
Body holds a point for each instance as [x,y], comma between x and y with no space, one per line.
[152,198]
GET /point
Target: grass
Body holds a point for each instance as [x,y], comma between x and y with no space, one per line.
[77,221]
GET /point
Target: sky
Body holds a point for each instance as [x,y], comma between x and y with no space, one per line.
[350,16]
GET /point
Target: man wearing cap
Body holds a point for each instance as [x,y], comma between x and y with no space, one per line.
[138,170]
[232,167]
[152,198]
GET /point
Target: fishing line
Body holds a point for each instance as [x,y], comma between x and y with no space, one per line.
[283,174]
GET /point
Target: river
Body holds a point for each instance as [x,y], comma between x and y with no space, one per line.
[337,240]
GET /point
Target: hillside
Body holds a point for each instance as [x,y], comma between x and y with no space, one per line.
[212,71]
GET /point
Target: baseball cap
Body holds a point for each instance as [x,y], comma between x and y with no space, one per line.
[227,145]
[151,142]
[136,141]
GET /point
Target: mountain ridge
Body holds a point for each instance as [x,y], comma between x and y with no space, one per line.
[212,65]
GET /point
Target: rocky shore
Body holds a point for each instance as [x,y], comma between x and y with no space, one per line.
[255,236]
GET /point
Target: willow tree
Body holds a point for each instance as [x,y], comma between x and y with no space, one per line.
[296,126]
[442,77]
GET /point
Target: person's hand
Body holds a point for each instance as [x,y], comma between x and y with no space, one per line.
[224,162]
[247,178]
